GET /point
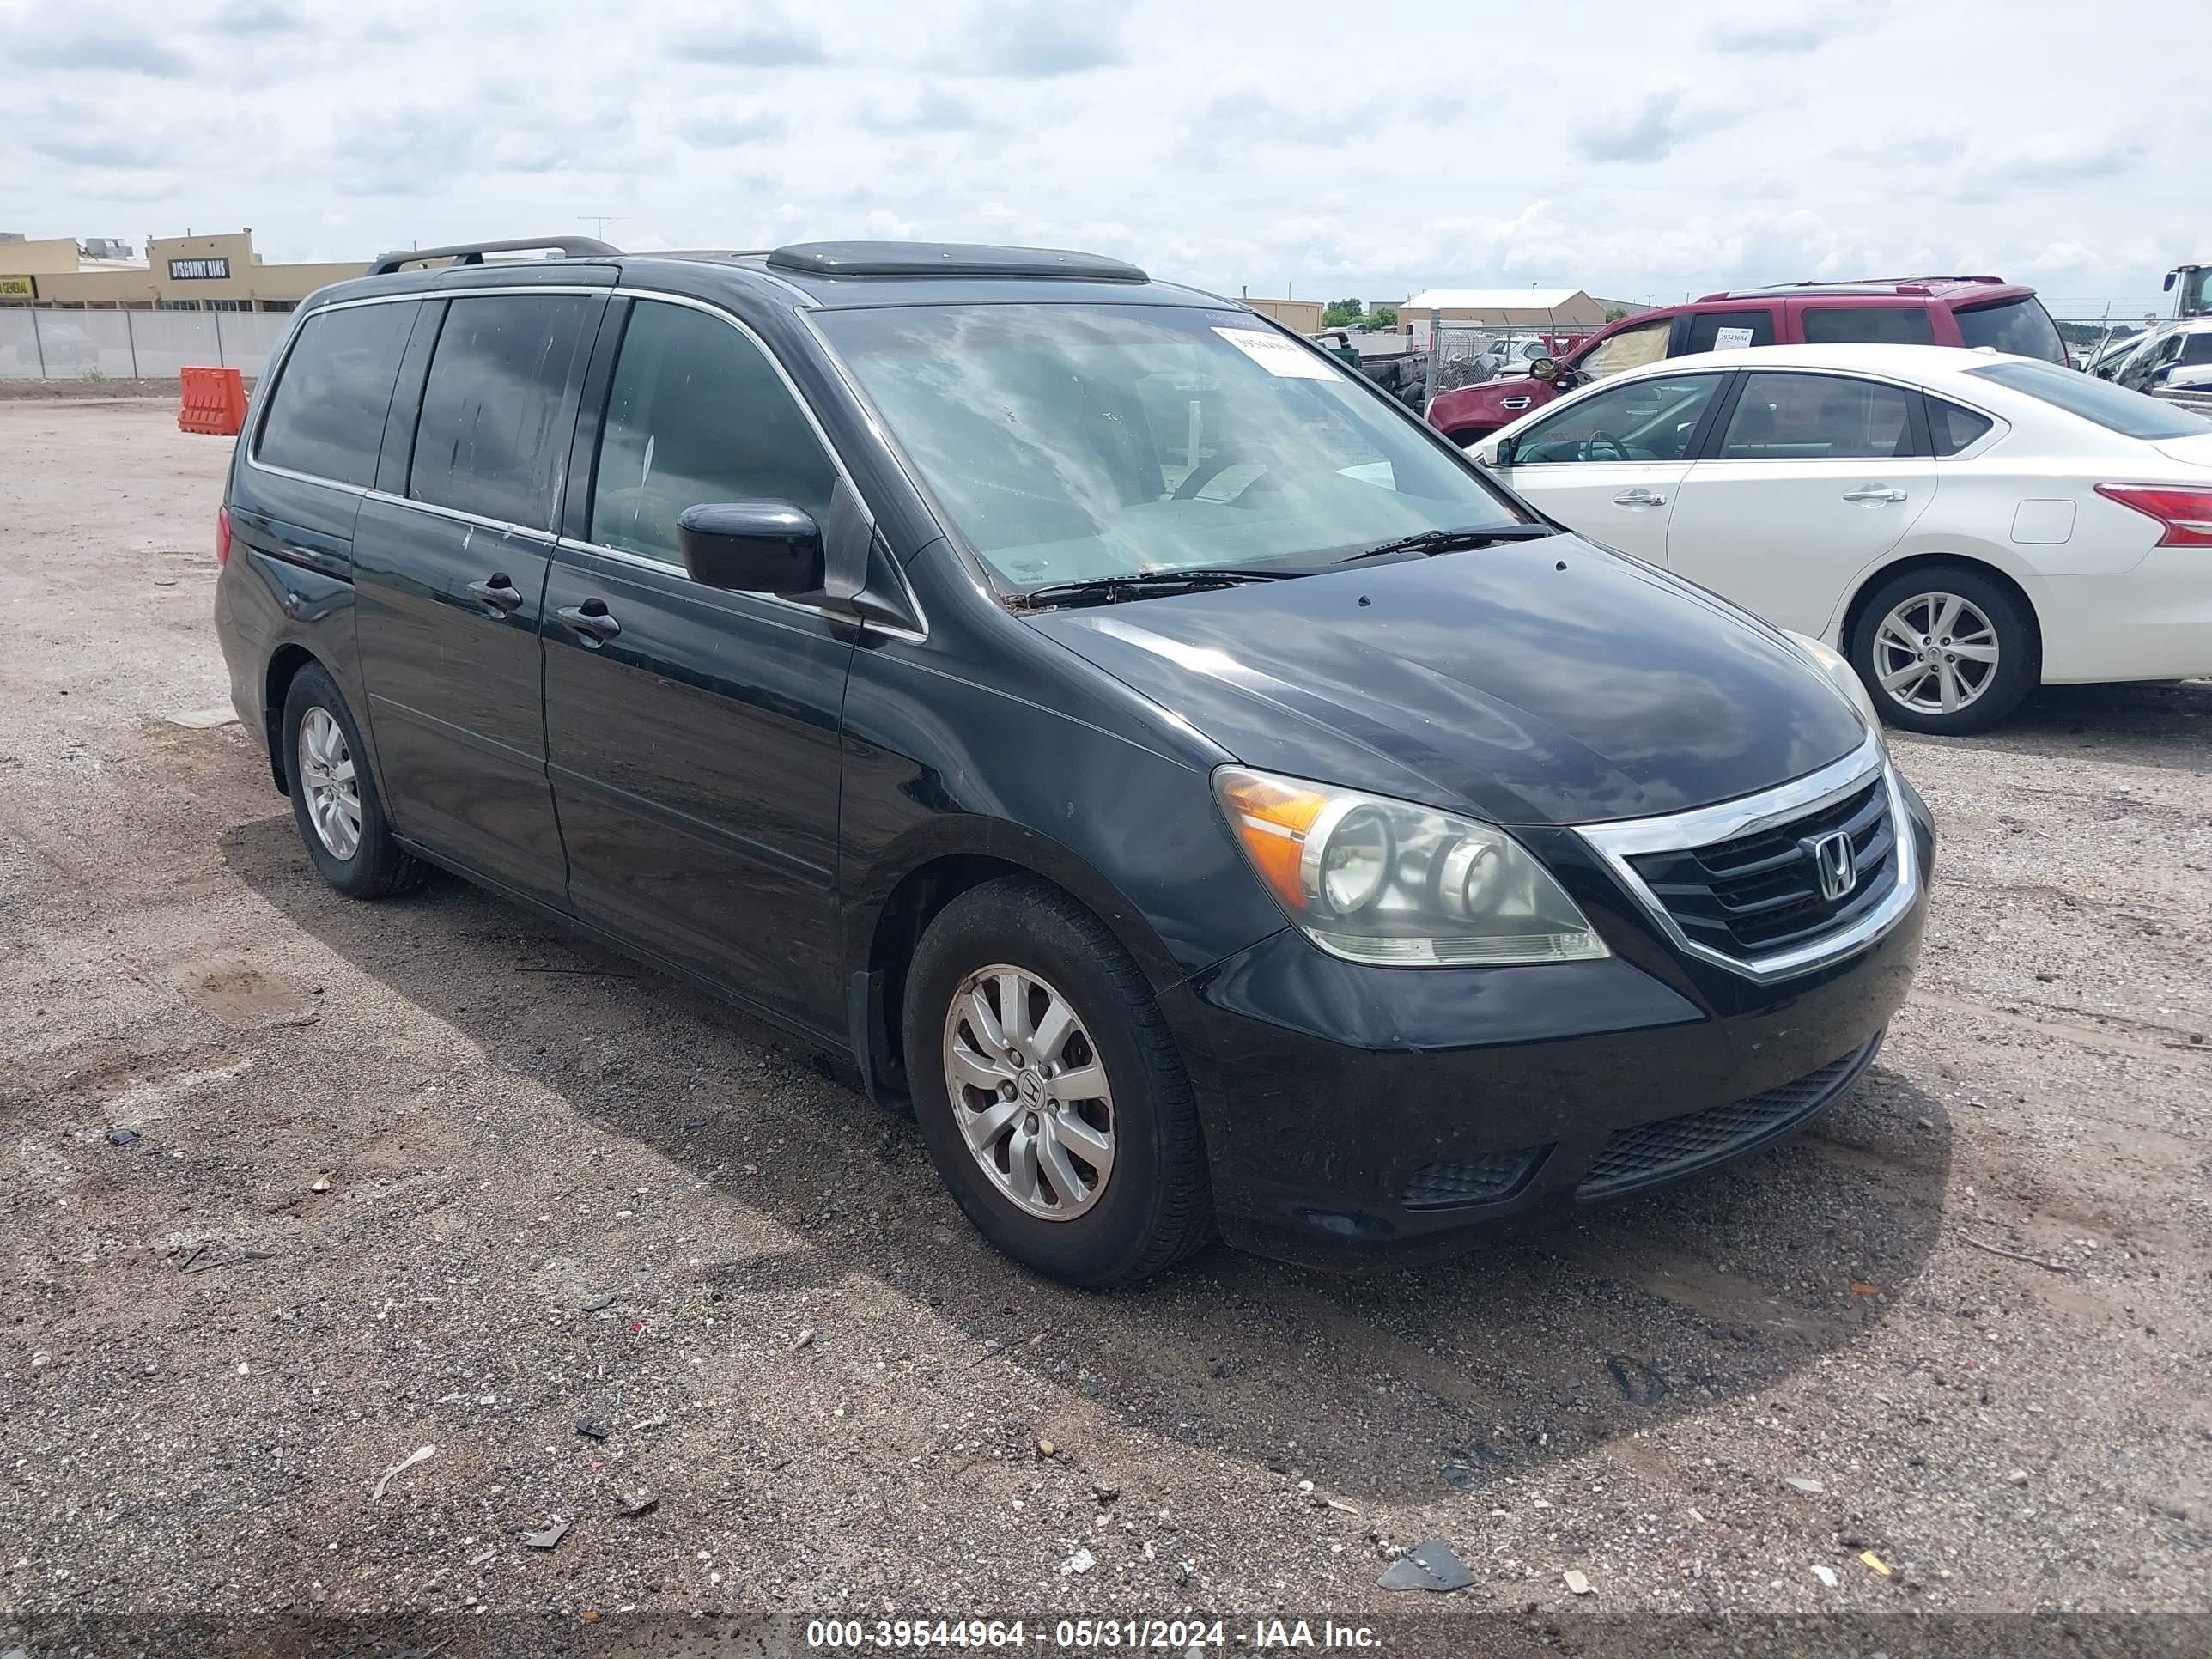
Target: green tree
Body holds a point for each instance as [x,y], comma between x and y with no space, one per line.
[1342,314]
[1383,317]
[1614,314]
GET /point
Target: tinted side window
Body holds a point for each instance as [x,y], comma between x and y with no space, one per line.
[1730,331]
[1951,428]
[696,414]
[486,442]
[326,414]
[1868,325]
[1817,417]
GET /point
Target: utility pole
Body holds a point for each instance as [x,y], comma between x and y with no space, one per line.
[599,222]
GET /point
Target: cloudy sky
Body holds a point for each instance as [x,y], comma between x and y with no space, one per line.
[1634,150]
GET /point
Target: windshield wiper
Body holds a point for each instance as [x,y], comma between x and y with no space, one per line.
[1438,541]
[1111,590]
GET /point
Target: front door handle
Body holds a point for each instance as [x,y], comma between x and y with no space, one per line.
[497,592]
[1639,497]
[1874,494]
[592,626]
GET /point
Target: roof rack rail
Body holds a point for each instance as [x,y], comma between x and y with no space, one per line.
[473,254]
[948,260]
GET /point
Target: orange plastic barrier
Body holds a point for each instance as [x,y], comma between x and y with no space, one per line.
[214,402]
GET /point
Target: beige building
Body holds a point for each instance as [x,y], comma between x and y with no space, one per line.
[1503,307]
[179,273]
[1299,316]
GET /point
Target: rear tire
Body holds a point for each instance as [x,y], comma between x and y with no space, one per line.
[1084,1008]
[1937,627]
[334,800]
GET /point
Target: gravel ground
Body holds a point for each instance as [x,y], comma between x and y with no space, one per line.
[430,1174]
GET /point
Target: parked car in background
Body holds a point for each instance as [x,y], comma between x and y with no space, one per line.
[1952,310]
[2175,359]
[1115,725]
[2105,360]
[1962,526]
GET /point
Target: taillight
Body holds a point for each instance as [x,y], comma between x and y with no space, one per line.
[2185,514]
[222,536]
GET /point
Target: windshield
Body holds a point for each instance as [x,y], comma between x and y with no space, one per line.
[1069,442]
[2115,408]
[2021,327]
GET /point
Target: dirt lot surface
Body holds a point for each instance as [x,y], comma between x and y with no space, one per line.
[295,1185]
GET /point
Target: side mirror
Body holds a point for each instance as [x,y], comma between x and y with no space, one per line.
[1543,369]
[1501,452]
[752,547]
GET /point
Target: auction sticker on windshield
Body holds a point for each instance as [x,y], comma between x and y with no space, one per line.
[1282,358]
[1731,339]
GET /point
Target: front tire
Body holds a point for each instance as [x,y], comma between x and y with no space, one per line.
[1049,1089]
[1946,649]
[334,800]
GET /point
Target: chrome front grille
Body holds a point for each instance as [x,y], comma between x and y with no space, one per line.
[1761,892]
[1741,884]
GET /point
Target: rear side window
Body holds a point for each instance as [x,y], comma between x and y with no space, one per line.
[2196,348]
[2115,408]
[487,441]
[1951,428]
[326,414]
[1817,417]
[2021,327]
[696,414]
[1868,325]
[1730,331]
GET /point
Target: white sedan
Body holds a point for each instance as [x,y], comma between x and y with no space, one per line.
[1961,525]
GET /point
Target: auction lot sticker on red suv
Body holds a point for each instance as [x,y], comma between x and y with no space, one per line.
[1280,357]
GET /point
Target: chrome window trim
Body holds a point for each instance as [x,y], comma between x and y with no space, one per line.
[646,561]
[1615,843]
[578,544]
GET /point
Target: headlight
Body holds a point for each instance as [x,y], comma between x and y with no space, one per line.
[1379,880]
[1841,675]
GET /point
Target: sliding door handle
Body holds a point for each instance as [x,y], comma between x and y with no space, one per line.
[498,593]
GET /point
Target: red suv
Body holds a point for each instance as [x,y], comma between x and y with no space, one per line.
[1952,310]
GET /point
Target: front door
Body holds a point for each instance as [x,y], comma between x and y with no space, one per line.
[1813,477]
[693,733]
[1607,464]
[448,581]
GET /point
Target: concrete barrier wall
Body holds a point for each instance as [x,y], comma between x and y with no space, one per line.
[121,345]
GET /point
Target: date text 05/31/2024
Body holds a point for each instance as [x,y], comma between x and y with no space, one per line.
[1175,1636]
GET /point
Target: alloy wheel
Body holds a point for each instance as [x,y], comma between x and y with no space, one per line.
[1936,654]
[1029,1091]
[326,773]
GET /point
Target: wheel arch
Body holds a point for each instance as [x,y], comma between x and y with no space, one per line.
[1855,607]
[911,888]
[284,665]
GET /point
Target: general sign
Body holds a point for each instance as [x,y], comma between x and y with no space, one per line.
[199,270]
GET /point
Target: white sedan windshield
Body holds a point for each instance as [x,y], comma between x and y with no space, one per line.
[1074,442]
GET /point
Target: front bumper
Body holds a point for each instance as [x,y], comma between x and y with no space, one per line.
[1356,1113]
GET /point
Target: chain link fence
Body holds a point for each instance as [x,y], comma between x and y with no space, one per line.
[39,343]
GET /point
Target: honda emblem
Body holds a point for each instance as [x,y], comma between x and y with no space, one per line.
[1835,863]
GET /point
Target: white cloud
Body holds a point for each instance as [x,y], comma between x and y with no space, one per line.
[1227,146]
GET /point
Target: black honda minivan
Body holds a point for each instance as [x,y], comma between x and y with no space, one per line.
[1154,757]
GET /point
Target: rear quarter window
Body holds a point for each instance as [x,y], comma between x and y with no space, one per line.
[2021,327]
[326,413]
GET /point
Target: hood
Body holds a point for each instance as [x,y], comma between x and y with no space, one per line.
[1535,682]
